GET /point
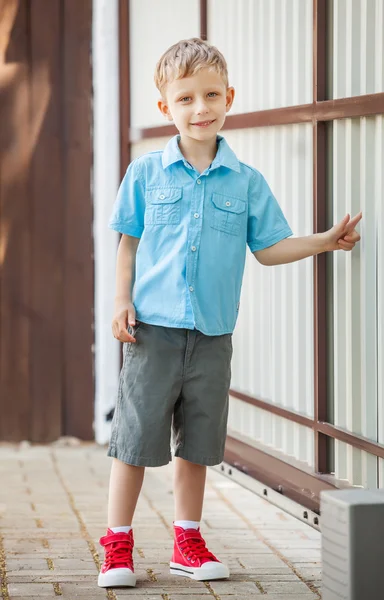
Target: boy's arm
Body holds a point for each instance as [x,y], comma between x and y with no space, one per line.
[125,277]
[342,236]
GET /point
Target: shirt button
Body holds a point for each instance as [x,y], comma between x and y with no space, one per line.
[161,196]
[191,288]
[196,215]
[193,248]
[198,181]
[227,204]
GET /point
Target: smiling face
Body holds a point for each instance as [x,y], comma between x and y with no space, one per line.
[197,104]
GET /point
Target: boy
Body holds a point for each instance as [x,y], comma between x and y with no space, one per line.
[186,215]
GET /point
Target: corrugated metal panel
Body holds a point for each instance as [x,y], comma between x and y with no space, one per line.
[253,425]
[273,341]
[358,47]
[154,26]
[357,281]
[268,47]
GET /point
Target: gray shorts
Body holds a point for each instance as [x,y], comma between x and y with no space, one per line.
[172,381]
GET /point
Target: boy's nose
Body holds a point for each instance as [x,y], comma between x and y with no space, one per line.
[201,109]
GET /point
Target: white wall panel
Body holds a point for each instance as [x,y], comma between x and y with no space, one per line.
[379,203]
[154,26]
[106,141]
[358,300]
[358,47]
[268,47]
[273,341]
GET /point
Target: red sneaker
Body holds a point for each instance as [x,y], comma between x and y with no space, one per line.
[191,558]
[117,569]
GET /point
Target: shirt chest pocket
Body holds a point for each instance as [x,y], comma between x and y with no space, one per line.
[228,213]
[163,206]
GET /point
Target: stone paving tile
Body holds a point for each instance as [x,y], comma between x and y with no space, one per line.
[284,596]
[285,587]
[236,588]
[142,597]
[31,589]
[53,511]
[81,590]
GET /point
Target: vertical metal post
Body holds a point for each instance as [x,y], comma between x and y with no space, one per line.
[125,92]
[319,224]
[204,19]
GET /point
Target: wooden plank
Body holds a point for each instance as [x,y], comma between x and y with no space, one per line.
[78,409]
[47,216]
[15,235]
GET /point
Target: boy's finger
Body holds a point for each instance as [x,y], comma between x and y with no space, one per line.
[353,222]
[125,336]
[342,225]
[352,237]
[345,245]
[132,318]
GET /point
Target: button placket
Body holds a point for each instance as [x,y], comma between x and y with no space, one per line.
[195,234]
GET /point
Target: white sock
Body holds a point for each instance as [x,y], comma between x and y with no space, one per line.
[187,524]
[125,529]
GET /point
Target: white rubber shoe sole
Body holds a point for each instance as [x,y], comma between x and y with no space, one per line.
[208,571]
[117,578]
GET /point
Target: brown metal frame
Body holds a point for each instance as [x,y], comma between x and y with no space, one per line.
[319,224]
[125,90]
[294,480]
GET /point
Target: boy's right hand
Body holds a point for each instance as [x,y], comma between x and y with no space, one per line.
[124,315]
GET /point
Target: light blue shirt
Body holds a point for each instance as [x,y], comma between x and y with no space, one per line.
[194,229]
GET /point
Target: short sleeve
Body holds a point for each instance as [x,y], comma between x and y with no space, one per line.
[267,224]
[128,210]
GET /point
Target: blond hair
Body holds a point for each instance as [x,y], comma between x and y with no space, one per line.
[185,59]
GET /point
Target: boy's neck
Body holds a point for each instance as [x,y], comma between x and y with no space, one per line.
[199,154]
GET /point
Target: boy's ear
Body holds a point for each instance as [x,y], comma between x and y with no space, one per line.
[230,95]
[164,109]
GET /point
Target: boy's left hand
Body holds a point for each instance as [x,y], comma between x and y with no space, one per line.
[343,236]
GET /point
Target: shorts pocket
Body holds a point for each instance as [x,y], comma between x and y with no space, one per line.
[127,346]
[163,206]
[228,213]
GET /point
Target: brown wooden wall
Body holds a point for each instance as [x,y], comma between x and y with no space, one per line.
[46,246]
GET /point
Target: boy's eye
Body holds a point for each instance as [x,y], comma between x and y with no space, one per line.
[212,94]
[185,99]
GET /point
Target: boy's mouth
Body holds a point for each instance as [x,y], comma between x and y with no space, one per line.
[203,123]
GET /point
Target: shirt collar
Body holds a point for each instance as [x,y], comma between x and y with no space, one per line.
[225,157]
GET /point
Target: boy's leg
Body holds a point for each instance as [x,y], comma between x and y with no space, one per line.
[189,485]
[191,558]
[200,422]
[140,437]
[124,488]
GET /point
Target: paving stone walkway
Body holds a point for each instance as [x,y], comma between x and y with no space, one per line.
[53,503]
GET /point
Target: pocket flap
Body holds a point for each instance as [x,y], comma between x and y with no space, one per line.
[163,195]
[228,203]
